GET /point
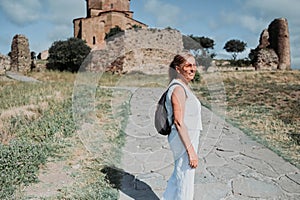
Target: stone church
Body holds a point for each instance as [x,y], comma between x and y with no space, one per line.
[102,15]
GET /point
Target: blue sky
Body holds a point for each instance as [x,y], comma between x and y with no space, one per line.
[45,21]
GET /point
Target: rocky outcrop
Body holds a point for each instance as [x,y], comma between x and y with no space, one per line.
[273,51]
[20,54]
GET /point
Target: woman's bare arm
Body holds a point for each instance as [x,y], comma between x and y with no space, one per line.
[178,103]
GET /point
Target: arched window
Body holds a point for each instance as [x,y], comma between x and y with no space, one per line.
[94,40]
[111,6]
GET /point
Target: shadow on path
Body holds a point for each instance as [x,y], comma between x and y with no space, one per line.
[128,184]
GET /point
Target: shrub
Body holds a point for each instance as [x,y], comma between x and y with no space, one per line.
[197,77]
[67,55]
[113,31]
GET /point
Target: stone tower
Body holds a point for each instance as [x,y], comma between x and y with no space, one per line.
[102,15]
[279,38]
[20,54]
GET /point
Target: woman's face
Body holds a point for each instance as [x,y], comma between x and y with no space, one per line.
[188,69]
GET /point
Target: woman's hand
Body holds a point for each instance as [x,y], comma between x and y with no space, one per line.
[193,157]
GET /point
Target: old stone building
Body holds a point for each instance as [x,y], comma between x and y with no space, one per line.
[102,15]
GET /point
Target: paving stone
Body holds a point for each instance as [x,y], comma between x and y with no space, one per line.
[256,164]
[290,183]
[223,173]
[211,191]
[214,160]
[251,187]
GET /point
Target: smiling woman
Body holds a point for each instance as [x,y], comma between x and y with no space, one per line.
[184,113]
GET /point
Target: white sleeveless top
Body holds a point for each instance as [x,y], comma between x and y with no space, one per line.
[192,114]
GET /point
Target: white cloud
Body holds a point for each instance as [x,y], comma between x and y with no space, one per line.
[21,12]
[166,14]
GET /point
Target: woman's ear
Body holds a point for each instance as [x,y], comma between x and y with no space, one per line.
[177,69]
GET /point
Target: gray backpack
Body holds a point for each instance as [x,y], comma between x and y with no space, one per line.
[161,121]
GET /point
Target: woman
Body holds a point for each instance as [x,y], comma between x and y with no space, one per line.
[184,112]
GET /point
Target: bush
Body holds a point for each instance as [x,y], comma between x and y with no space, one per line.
[197,77]
[113,31]
[67,55]
[240,62]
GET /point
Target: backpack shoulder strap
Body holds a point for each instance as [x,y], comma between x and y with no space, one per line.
[177,83]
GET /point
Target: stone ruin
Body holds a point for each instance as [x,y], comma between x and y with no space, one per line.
[20,54]
[273,51]
[149,51]
[4,64]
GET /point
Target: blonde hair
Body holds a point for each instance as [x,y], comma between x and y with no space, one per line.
[178,61]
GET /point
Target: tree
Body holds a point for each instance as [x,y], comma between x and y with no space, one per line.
[205,42]
[67,55]
[33,55]
[235,47]
[33,58]
[199,47]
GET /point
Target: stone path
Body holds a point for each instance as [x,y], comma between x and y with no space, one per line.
[232,166]
[20,77]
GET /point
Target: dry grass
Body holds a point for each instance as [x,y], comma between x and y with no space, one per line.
[264,104]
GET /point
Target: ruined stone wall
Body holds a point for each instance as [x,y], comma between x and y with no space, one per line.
[273,51]
[147,50]
[4,64]
[20,54]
